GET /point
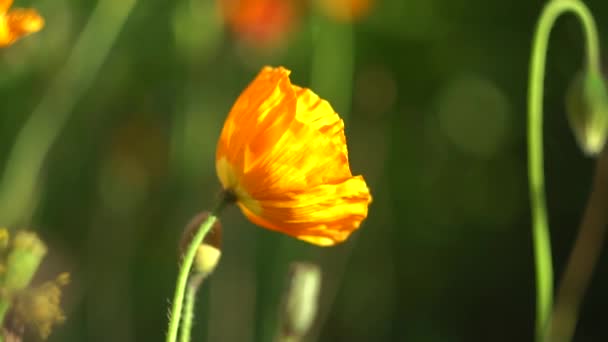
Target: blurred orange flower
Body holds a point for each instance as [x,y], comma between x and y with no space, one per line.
[17,23]
[259,22]
[282,153]
[346,10]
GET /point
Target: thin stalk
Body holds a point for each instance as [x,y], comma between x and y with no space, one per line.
[184,271]
[193,285]
[333,58]
[540,226]
[35,139]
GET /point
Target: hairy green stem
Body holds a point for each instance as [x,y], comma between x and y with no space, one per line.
[184,270]
[35,139]
[186,329]
[540,226]
[182,278]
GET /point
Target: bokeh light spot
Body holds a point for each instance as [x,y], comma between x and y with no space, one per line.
[474,114]
[375,91]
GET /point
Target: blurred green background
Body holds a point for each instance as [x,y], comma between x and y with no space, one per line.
[433,94]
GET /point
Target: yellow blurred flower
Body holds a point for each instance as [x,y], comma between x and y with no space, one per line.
[17,22]
[282,154]
[346,10]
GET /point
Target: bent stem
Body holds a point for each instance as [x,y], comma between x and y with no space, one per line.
[184,271]
[540,226]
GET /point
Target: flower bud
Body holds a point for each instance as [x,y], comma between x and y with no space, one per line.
[301,300]
[587,108]
[23,260]
[209,252]
[24,307]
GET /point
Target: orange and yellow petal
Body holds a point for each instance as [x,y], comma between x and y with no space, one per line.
[18,23]
[5,5]
[283,153]
[323,215]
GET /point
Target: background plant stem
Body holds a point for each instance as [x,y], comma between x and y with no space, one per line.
[540,227]
[584,256]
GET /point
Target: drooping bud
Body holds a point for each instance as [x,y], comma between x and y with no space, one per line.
[209,252]
[301,300]
[587,108]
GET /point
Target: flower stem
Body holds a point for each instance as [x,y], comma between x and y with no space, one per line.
[540,227]
[193,285]
[333,58]
[184,270]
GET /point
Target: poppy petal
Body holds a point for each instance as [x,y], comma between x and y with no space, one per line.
[258,117]
[5,5]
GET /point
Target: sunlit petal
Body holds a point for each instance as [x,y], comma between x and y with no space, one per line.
[5,5]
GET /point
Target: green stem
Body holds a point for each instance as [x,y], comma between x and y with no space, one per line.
[193,285]
[333,59]
[34,140]
[184,270]
[540,227]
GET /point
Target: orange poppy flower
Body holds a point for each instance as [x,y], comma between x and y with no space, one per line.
[282,154]
[17,23]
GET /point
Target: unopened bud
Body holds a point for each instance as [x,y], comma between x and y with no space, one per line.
[587,108]
[210,250]
[23,260]
[301,299]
